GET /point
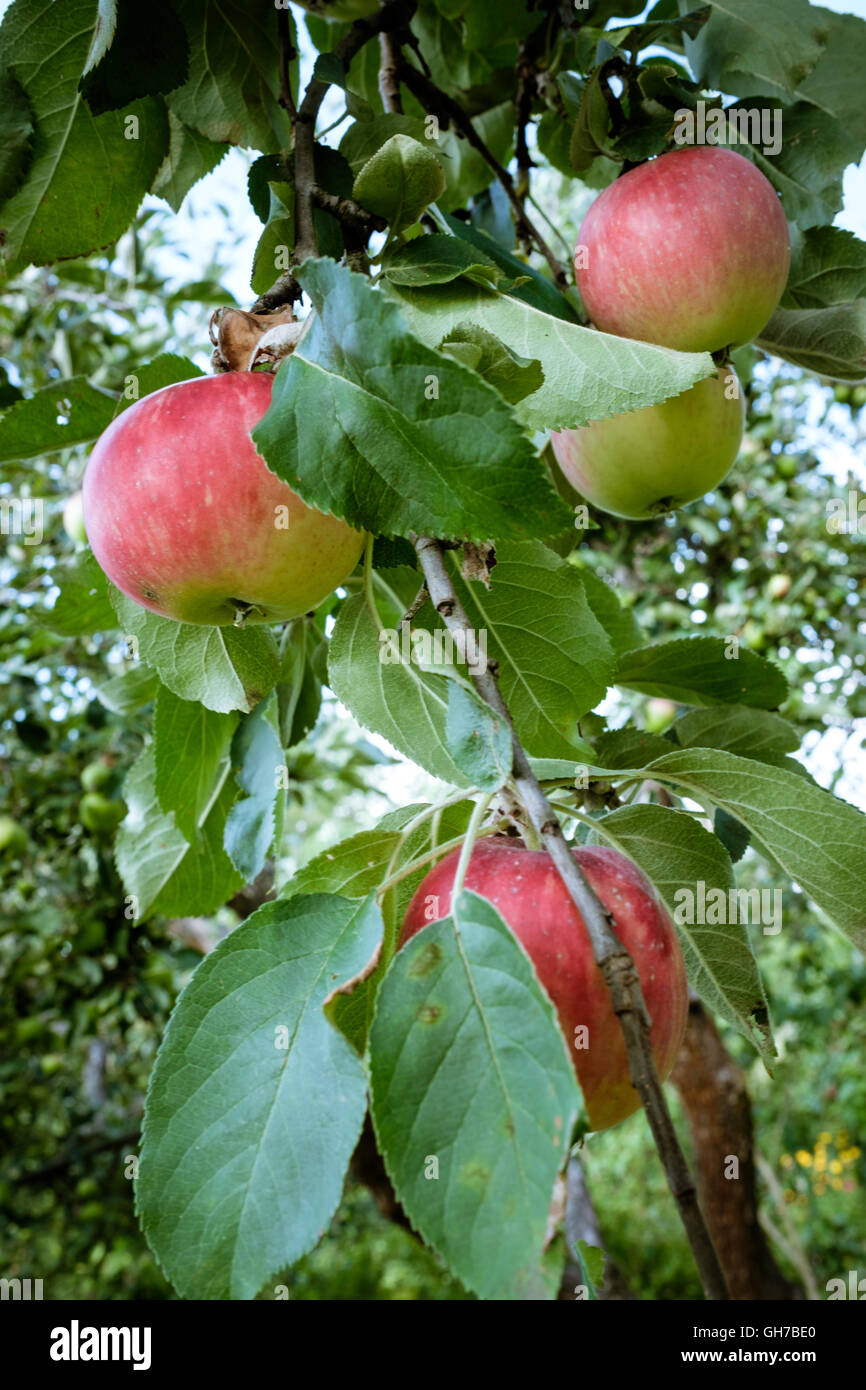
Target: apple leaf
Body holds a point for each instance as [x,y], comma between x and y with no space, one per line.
[161,870]
[394,698]
[835,83]
[829,342]
[257,759]
[414,440]
[700,671]
[587,375]
[165,370]
[828,267]
[816,839]
[437,260]
[809,169]
[223,667]
[88,174]
[126,694]
[252,1081]
[191,757]
[363,138]
[619,622]
[56,417]
[190,156]
[232,92]
[399,181]
[143,53]
[467,172]
[552,669]
[677,855]
[83,605]
[526,284]
[478,740]
[750,733]
[756,47]
[473,1134]
[16,134]
[629,748]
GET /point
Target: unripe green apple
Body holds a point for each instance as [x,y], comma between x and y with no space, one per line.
[659,715]
[530,896]
[13,837]
[652,461]
[96,775]
[99,814]
[184,516]
[73,519]
[690,250]
[778,586]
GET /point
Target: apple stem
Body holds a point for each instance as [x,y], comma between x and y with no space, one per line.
[613,960]
[473,830]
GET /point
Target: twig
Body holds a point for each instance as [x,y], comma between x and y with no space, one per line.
[393,15]
[613,960]
[287,52]
[389,82]
[526,87]
[448,110]
[416,605]
[348,212]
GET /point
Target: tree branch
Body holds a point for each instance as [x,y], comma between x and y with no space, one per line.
[389,81]
[451,113]
[393,15]
[612,959]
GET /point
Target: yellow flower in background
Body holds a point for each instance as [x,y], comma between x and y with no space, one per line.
[825,1138]
[804,1158]
[786,1161]
[835,1166]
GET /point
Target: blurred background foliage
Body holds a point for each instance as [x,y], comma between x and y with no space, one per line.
[86,995]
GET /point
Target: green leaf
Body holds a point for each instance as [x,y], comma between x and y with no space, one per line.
[587,375]
[436,260]
[469,1070]
[190,156]
[223,667]
[161,870]
[83,605]
[830,342]
[514,377]
[127,694]
[56,417]
[191,758]
[555,661]
[257,758]
[400,181]
[364,139]
[678,856]
[253,1081]
[809,169]
[754,48]
[402,457]
[819,841]
[165,370]
[828,267]
[624,748]
[232,94]
[750,733]
[479,741]
[394,698]
[835,84]
[466,171]
[16,134]
[703,671]
[527,284]
[88,173]
[618,622]
[146,53]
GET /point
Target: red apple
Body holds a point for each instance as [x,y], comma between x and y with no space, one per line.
[654,460]
[526,889]
[690,250]
[184,516]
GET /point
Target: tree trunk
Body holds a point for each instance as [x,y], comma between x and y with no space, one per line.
[713,1092]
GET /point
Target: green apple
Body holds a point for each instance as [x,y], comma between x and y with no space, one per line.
[100,814]
[652,461]
[96,776]
[659,715]
[13,837]
[73,519]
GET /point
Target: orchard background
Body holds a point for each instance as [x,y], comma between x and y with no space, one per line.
[150,179]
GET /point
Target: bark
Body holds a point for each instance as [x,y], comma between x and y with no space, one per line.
[713,1092]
